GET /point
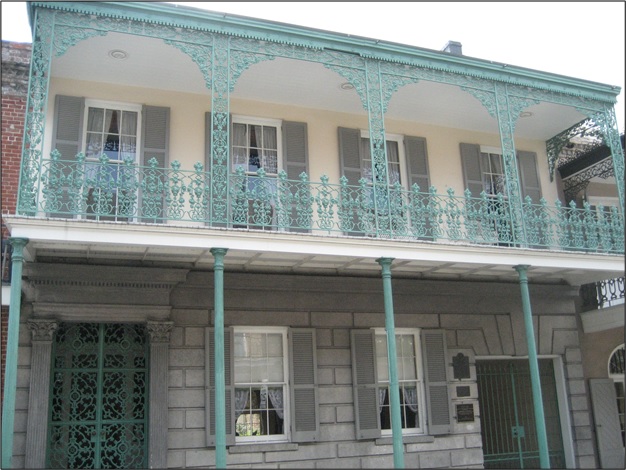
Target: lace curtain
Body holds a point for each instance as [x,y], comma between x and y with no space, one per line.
[276,397]
[241,398]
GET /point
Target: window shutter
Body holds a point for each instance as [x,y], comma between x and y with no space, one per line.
[229,376]
[436,371]
[295,149]
[365,384]
[155,144]
[529,176]
[155,141]
[472,173]
[605,416]
[68,125]
[417,162]
[349,154]
[67,137]
[295,158]
[305,423]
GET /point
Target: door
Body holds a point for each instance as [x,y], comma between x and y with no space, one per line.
[98,398]
[507,414]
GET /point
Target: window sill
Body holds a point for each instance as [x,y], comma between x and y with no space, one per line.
[381,441]
[242,448]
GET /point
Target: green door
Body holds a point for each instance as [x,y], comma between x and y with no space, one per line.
[98,398]
[507,414]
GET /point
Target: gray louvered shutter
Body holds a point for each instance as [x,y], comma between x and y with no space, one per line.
[417,162]
[436,381]
[295,158]
[68,125]
[350,154]
[155,144]
[529,177]
[472,172]
[67,137]
[305,421]
[229,377]
[605,416]
[365,384]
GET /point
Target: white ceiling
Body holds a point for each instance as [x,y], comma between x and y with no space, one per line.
[153,64]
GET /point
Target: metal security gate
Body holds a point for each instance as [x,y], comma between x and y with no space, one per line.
[507,415]
[98,398]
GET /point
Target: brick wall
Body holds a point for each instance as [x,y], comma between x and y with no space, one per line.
[15,71]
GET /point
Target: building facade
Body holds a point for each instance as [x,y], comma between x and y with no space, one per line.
[249,244]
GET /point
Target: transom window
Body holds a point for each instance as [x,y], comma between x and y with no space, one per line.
[261,378]
[616,372]
[410,381]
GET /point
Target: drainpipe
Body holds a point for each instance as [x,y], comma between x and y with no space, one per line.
[220,385]
[535,381]
[13,333]
[394,391]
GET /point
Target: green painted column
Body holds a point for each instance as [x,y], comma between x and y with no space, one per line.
[394,390]
[535,381]
[13,333]
[220,384]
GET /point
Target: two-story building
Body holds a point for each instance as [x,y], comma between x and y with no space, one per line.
[246,243]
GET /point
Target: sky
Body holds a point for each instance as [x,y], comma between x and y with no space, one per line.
[583,40]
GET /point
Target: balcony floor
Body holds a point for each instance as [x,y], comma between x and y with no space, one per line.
[264,251]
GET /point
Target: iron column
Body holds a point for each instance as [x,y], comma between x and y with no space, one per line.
[10,370]
[220,384]
[394,391]
[535,381]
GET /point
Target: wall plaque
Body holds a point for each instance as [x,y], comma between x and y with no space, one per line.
[460,366]
[465,413]
[463,391]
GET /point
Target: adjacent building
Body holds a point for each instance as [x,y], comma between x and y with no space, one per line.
[243,243]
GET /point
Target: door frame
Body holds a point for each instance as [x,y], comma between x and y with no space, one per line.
[562,401]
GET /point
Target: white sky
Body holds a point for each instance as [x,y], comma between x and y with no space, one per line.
[578,39]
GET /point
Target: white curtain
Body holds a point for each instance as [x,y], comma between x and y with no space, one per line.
[276,397]
[410,398]
[382,392]
[241,398]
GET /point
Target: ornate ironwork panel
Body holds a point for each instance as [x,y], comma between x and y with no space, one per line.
[99,397]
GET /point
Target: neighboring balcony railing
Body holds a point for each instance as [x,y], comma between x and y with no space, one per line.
[104,190]
[602,294]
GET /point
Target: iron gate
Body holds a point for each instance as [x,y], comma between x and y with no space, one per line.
[507,414]
[98,397]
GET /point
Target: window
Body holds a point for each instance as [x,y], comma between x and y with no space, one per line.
[261,377]
[424,398]
[256,144]
[616,372]
[111,129]
[123,132]
[270,385]
[409,380]
[494,181]
[395,158]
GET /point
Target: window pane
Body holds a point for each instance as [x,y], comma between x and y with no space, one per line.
[240,135]
[94,146]
[258,371]
[128,149]
[241,347]
[275,369]
[129,123]
[381,367]
[408,369]
[95,120]
[270,161]
[257,345]
[275,345]
[242,370]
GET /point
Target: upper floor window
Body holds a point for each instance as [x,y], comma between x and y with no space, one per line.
[410,381]
[396,165]
[112,129]
[256,144]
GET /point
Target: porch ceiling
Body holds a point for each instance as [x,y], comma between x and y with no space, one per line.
[153,64]
[258,251]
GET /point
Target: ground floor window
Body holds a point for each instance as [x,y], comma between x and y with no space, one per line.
[616,372]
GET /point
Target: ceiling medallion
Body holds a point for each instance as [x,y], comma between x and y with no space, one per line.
[525,114]
[118,54]
[346,86]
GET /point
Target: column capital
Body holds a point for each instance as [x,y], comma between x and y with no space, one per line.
[42,330]
[159,331]
[521,269]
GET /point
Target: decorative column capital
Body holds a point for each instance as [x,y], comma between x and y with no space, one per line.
[159,331]
[42,330]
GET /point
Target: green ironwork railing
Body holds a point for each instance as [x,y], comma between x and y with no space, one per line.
[107,190]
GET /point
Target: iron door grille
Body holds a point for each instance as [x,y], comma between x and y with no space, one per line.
[507,415]
[98,397]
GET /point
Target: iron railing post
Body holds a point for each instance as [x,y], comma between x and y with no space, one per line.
[220,384]
[394,390]
[535,381]
[10,370]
